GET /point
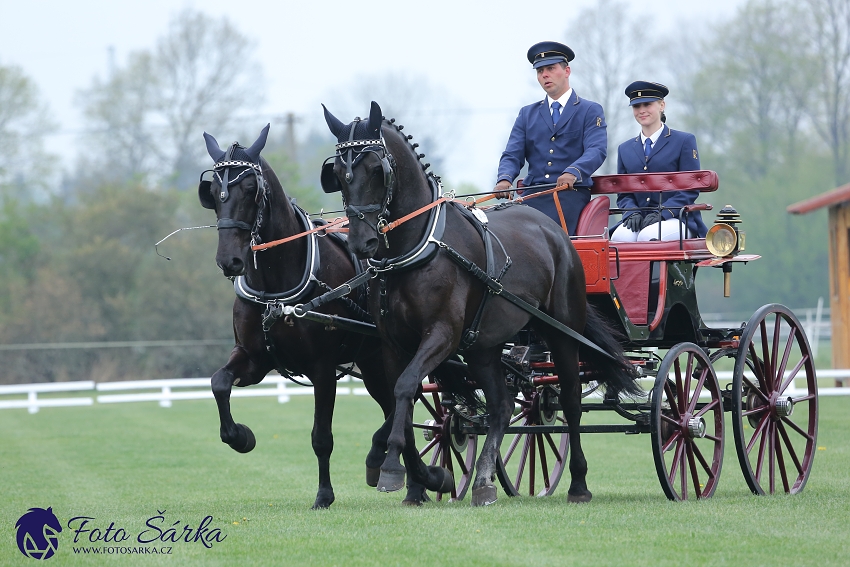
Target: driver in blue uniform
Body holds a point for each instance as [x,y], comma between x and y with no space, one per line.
[562,137]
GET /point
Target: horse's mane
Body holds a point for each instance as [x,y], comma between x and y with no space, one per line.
[407,138]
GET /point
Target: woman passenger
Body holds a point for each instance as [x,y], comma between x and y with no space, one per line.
[658,148]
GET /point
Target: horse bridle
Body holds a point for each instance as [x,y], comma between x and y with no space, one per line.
[261,198]
[353,151]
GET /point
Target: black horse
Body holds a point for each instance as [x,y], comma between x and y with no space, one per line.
[252,207]
[425,304]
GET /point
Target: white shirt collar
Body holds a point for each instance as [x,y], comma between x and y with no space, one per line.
[654,137]
[565,98]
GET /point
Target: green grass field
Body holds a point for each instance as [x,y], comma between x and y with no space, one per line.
[126,463]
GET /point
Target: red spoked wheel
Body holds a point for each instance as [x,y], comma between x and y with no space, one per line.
[687,424]
[446,445]
[532,463]
[775,402]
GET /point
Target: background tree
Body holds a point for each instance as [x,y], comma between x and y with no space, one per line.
[201,74]
[24,124]
[826,31]
[609,47]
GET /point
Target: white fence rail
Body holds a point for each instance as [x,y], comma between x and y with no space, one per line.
[20,396]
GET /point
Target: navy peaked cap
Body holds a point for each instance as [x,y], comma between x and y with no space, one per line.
[644,91]
[549,52]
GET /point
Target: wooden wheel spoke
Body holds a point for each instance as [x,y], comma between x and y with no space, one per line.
[755,389]
[514,442]
[460,461]
[754,411]
[760,455]
[672,400]
[774,367]
[670,420]
[781,462]
[556,452]
[771,456]
[517,417]
[702,460]
[697,390]
[693,468]
[798,429]
[680,387]
[430,408]
[712,437]
[541,449]
[689,371]
[677,456]
[430,445]
[523,459]
[804,398]
[673,438]
[791,452]
[757,433]
[707,408]
[532,463]
[759,369]
[792,375]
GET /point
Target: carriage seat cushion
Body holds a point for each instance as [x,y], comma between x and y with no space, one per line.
[593,219]
[701,180]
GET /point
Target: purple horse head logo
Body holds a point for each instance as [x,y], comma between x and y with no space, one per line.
[38,533]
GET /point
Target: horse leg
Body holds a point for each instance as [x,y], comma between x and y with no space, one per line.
[324,397]
[240,369]
[378,386]
[401,440]
[486,371]
[565,354]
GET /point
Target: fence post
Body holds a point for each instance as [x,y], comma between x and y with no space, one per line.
[283,397]
[32,398]
[166,401]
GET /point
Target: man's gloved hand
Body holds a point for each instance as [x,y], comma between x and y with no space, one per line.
[651,218]
[502,190]
[633,222]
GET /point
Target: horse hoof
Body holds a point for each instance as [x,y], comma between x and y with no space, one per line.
[372,476]
[320,504]
[484,495]
[581,498]
[448,482]
[390,481]
[245,440]
[416,496]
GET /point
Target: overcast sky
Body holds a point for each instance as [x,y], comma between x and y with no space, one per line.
[475,50]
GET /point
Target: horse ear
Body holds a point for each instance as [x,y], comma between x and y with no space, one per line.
[334,124]
[216,153]
[257,147]
[375,117]
[330,182]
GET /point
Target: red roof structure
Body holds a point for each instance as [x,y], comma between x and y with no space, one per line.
[833,197]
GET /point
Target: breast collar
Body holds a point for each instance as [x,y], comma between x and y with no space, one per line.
[427,248]
[308,280]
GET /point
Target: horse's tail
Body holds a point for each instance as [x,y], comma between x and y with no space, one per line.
[617,373]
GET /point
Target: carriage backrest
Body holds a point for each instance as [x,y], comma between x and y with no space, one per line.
[702,180]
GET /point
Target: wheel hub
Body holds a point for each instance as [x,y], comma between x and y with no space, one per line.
[696,427]
[784,407]
[429,434]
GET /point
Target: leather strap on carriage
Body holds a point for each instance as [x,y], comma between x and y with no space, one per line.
[496,288]
[301,309]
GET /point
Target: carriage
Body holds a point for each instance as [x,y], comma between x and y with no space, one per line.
[648,289]
[644,292]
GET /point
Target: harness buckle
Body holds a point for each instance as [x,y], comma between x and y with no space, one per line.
[382,224]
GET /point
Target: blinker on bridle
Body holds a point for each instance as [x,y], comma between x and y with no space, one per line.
[354,151]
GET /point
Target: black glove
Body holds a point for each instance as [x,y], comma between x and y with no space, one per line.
[633,222]
[651,218]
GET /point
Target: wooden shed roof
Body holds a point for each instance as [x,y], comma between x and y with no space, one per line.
[833,197]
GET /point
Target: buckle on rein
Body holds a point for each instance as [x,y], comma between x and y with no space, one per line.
[381,226]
